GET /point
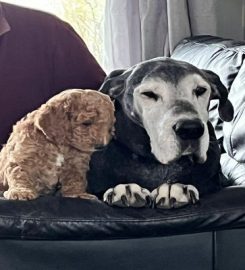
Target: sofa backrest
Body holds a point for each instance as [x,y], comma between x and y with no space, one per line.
[222,56]
[225,57]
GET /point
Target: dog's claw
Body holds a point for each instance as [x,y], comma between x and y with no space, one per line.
[149,201]
[109,198]
[160,202]
[193,198]
[128,195]
[172,202]
[124,201]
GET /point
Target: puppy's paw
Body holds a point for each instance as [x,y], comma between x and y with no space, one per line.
[22,194]
[128,195]
[81,195]
[169,196]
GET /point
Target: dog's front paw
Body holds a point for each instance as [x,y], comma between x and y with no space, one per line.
[22,194]
[174,195]
[128,195]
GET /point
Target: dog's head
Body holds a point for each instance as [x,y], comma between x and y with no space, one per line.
[83,119]
[170,99]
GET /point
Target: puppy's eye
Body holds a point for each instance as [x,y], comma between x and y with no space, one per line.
[199,91]
[150,95]
[87,123]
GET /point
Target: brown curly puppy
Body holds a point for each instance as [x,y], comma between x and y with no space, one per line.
[52,145]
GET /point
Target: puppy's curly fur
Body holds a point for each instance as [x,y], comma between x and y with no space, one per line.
[52,145]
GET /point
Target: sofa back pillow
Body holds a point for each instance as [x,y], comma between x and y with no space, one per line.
[234,131]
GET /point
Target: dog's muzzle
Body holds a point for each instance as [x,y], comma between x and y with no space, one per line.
[189,129]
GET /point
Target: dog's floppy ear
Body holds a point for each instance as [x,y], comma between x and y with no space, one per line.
[220,92]
[49,120]
[114,83]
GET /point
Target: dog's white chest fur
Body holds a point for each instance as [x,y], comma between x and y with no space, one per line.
[59,160]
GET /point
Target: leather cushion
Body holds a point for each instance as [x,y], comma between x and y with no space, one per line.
[62,218]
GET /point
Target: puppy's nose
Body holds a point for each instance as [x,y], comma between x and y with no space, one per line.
[189,129]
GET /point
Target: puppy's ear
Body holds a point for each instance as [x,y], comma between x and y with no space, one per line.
[220,92]
[50,120]
[114,83]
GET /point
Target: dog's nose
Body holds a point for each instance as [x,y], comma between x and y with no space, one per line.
[189,129]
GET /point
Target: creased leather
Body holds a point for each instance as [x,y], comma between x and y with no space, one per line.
[62,218]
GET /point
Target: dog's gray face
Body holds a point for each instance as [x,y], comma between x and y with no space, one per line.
[175,116]
[170,100]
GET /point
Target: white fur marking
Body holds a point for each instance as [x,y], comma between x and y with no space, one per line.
[59,160]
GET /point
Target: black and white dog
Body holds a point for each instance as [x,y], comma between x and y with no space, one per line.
[165,150]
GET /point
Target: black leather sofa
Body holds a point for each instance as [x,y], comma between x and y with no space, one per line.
[62,233]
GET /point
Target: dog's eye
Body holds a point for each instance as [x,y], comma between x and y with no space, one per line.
[200,91]
[87,123]
[151,95]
